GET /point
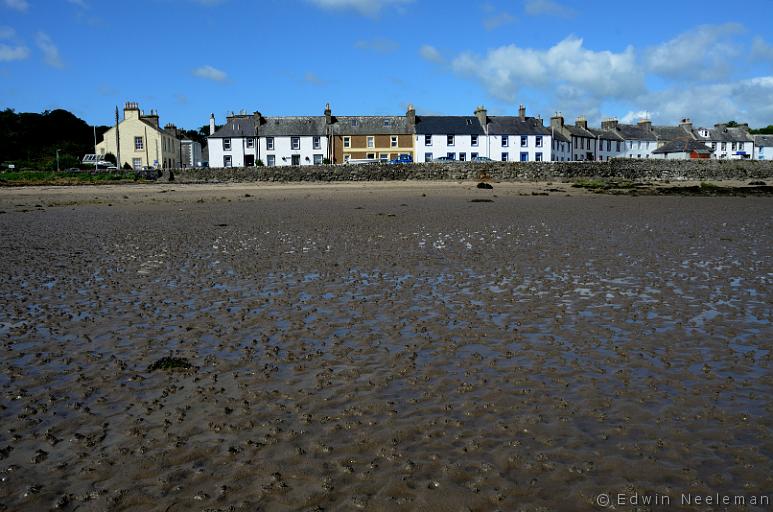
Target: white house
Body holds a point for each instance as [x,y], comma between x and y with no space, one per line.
[518,138]
[297,140]
[683,149]
[763,147]
[235,144]
[582,140]
[731,143]
[459,137]
[639,140]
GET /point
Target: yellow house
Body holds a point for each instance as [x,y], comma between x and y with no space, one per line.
[143,142]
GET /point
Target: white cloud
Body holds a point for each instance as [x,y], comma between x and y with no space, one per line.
[9,53]
[704,53]
[210,73]
[18,5]
[7,32]
[50,51]
[634,117]
[762,50]
[547,8]
[599,74]
[431,54]
[365,7]
[379,45]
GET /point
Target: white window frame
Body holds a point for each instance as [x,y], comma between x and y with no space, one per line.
[428,140]
[394,141]
[250,142]
[450,140]
[226,144]
[318,157]
[137,164]
[317,142]
[474,141]
[347,142]
[271,160]
[428,157]
[462,156]
[227,161]
[505,141]
[347,157]
[451,155]
[538,141]
[537,157]
[505,156]
[524,141]
[370,156]
[139,144]
[295,143]
[269,143]
[371,142]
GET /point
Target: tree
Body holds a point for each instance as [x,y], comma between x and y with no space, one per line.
[768,130]
[110,158]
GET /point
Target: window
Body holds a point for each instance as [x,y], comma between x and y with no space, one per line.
[226,144]
[428,140]
[371,141]
[538,141]
[505,141]
[538,157]
[387,122]
[449,140]
[383,156]
[317,142]
[427,157]
[138,144]
[724,146]
[269,143]
[732,146]
[347,142]
[271,160]
[137,163]
[250,142]
[227,161]
[524,156]
[505,157]
[353,122]
[347,157]
[474,141]
[618,146]
[473,156]
[393,141]
[462,157]
[295,143]
[638,145]
[714,145]
[451,156]
[317,159]
[371,156]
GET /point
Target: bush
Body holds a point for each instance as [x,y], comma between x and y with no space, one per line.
[326,161]
[259,163]
[110,158]
[127,167]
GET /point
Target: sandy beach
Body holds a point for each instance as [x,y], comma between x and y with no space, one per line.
[416,346]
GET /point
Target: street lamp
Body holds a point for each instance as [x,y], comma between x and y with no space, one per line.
[57,160]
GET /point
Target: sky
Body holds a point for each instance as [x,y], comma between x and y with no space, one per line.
[711,61]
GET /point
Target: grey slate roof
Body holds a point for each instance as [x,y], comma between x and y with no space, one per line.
[371,125]
[635,132]
[724,134]
[683,145]
[514,125]
[763,141]
[579,131]
[242,126]
[605,134]
[448,125]
[559,136]
[667,133]
[300,126]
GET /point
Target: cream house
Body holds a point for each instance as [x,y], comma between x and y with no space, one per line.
[143,143]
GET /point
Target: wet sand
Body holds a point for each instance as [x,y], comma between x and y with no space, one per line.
[381,347]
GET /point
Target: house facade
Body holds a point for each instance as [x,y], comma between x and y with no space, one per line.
[372,137]
[459,137]
[190,153]
[519,138]
[728,142]
[763,147]
[235,144]
[297,140]
[141,141]
[582,140]
[609,144]
[683,149]
[639,140]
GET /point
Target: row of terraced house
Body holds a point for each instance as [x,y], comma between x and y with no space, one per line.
[247,140]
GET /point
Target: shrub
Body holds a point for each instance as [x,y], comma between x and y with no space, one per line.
[259,163]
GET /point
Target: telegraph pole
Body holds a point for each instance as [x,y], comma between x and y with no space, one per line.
[117,142]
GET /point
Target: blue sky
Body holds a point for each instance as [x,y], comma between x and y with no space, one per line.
[710,60]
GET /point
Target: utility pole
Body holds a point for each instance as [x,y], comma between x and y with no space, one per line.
[96,157]
[57,160]
[117,142]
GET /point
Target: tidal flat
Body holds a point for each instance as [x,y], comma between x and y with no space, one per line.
[396,346]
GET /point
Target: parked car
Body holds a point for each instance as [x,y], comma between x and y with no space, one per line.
[445,159]
[482,159]
[402,159]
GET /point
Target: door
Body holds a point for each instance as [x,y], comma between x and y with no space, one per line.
[296,160]
[249,160]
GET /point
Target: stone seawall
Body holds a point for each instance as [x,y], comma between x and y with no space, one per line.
[657,170]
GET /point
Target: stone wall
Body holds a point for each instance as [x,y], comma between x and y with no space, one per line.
[699,170]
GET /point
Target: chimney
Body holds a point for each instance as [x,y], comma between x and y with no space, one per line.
[171,129]
[131,110]
[328,114]
[522,112]
[152,118]
[686,124]
[645,123]
[482,114]
[212,124]
[582,122]
[411,115]
[609,124]
[557,121]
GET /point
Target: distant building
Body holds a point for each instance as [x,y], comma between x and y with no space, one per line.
[728,143]
[373,137]
[143,142]
[519,138]
[684,149]
[296,140]
[609,143]
[583,141]
[459,137]
[191,154]
[235,144]
[763,147]
[639,140]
